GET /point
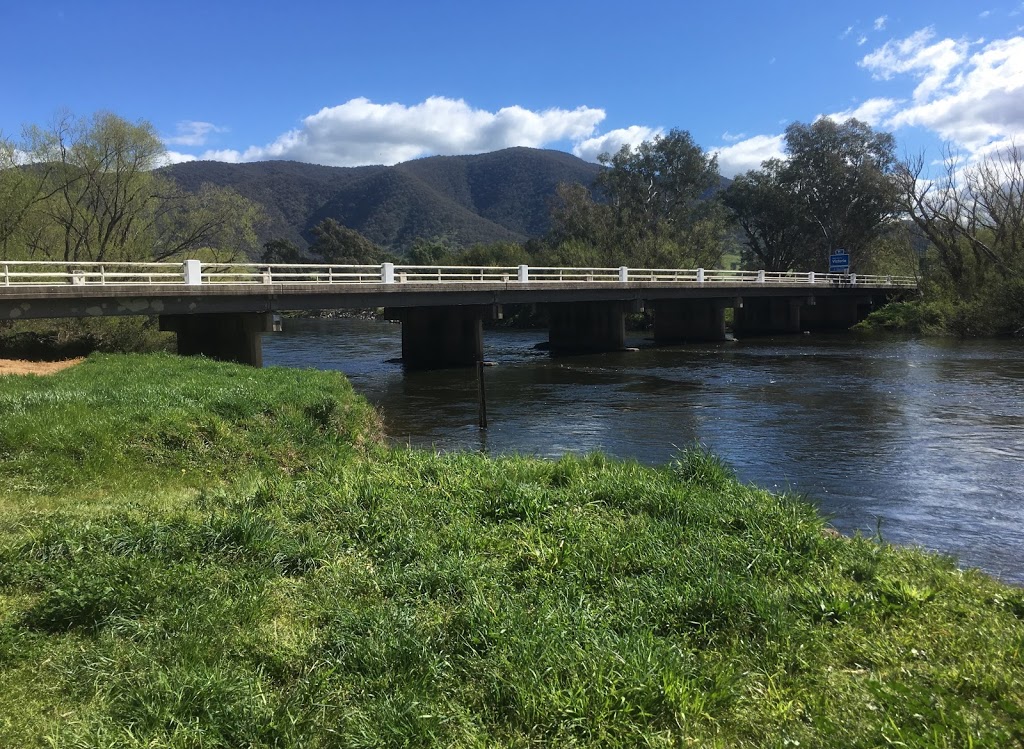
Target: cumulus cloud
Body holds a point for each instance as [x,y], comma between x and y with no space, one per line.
[361,132]
[974,100]
[175,157]
[880,22]
[749,153]
[931,63]
[610,142]
[193,133]
[871,111]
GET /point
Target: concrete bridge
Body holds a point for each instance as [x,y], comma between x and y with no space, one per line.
[220,310]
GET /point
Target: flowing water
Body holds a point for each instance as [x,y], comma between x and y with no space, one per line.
[920,440]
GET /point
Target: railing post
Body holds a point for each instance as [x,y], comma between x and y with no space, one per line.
[623,274]
[853,279]
[7,275]
[193,273]
[524,273]
[268,275]
[810,277]
[700,275]
[387,272]
[760,276]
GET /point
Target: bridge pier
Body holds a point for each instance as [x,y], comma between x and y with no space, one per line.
[834,313]
[767,316]
[441,337]
[225,336]
[679,320]
[578,327]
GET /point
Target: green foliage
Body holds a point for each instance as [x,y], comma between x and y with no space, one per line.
[340,245]
[835,190]
[918,317]
[78,336]
[973,219]
[282,251]
[652,211]
[404,598]
[85,190]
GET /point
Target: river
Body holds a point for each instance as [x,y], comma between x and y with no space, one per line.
[920,440]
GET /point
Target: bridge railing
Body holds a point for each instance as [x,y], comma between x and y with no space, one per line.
[194,272]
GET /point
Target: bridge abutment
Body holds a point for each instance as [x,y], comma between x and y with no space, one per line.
[441,337]
[579,327]
[681,320]
[232,337]
[767,316]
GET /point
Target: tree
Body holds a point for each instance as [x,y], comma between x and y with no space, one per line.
[339,245]
[282,251]
[766,207]
[973,218]
[842,174]
[653,208]
[86,190]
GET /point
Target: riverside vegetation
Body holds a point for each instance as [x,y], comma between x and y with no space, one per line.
[199,554]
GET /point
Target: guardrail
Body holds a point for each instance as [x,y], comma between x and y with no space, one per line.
[20,273]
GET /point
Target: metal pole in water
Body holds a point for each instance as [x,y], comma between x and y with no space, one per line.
[482,393]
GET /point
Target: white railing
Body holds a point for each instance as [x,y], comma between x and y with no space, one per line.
[20,273]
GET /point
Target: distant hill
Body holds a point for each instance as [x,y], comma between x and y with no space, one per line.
[488,197]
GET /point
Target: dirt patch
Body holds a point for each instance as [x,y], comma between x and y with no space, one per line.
[23,367]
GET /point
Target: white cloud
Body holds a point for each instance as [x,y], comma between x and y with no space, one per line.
[849,30]
[732,137]
[862,40]
[871,111]
[880,22]
[985,14]
[363,132]
[930,63]
[193,133]
[174,157]
[614,140]
[975,101]
[748,154]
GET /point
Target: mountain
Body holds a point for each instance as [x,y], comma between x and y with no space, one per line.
[487,197]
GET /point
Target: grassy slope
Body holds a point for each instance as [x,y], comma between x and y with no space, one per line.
[221,567]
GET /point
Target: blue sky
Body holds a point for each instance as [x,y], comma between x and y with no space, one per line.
[346,83]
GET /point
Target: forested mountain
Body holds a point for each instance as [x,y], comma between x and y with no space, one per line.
[483,198]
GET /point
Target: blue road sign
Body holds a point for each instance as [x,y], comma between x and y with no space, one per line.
[838,262]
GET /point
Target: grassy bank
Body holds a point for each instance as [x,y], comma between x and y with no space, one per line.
[201,555]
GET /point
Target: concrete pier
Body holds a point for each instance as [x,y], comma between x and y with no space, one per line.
[767,316]
[224,336]
[683,320]
[578,327]
[441,337]
[834,313]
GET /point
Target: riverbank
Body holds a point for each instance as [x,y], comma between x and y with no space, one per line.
[195,553]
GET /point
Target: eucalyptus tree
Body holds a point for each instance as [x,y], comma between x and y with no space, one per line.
[652,204]
[765,206]
[843,177]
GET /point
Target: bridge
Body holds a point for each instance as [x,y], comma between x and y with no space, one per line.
[221,309]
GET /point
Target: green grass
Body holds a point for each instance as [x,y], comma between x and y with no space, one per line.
[309,587]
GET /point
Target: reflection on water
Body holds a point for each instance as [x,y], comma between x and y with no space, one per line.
[924,437]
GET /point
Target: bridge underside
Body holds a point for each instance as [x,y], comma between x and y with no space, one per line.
[444,328]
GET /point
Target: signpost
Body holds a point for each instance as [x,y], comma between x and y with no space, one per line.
[839,262]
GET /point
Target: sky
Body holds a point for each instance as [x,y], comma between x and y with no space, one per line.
[379,82]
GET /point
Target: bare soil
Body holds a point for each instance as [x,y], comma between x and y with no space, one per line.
[24,367]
